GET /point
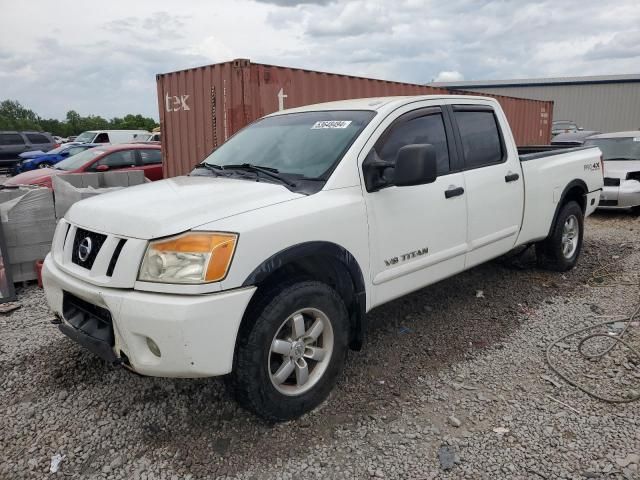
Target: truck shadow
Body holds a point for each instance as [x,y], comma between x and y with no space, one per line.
[419,335]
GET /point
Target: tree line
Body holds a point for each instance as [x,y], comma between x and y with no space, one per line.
[13,116]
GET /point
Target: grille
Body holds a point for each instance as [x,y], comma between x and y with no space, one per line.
[608,203]
[611,182]
[114,258]
[90,319]
[97,239]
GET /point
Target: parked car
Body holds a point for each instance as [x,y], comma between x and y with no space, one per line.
[621,154]
[573,138]
[263,262]
[564,126]
[52,157]
[14,143]
[133,156]
[111,136]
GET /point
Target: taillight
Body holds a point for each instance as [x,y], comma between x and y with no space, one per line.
[56,145]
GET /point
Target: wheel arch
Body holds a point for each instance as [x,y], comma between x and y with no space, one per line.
[576,190]
[321,261]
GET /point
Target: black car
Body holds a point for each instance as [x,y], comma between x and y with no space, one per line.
[14,143]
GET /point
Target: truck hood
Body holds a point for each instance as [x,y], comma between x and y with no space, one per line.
[172,206]
[620,168]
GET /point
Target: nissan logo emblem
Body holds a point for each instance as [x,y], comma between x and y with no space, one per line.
[84,249]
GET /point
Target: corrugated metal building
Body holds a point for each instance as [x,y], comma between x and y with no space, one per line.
[606,103]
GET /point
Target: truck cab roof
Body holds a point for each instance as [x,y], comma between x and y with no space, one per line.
[379,103]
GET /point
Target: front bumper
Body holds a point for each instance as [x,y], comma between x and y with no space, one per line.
[626,195]
[196,334]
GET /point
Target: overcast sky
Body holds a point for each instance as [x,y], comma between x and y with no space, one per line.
[101,58]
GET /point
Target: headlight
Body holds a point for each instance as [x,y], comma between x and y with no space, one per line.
[194,257]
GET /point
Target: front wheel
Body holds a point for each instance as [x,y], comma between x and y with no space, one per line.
[291,353]
[44,165]
[561,249]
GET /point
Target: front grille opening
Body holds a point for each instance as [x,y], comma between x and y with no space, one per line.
[611,182]
[85,238]
[91,319]
[114,258]
[633,176]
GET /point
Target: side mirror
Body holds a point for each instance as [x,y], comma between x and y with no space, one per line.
[415,165]
[102,168]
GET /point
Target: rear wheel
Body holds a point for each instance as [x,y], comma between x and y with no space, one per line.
[291,352]
[560,251]
[635,210]
[44,165]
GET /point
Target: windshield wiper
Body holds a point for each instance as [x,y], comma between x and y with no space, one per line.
[209,166]
[268,171]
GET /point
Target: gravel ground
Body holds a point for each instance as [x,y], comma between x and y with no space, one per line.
[451,384]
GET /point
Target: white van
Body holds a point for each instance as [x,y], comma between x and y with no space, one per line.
[112,136]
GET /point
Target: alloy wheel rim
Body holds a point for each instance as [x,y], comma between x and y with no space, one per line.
[300,351]
[570,236]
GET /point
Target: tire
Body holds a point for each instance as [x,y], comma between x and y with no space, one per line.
[561,249]
[44,165]
[259,380]
[635,210]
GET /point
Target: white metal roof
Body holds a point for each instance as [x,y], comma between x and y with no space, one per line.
[634,77]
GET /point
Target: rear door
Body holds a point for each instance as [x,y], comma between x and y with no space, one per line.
[493,179]
[11,145]
[417,233]
[150,161]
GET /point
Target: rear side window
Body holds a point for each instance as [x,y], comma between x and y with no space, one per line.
[481,138]
[11,139]
[37,138]
[420,130]
[102,138]
[149,157]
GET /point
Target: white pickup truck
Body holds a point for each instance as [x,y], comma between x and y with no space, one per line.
[263,263]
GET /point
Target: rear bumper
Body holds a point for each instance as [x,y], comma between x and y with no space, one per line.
[196,334]
[627,195]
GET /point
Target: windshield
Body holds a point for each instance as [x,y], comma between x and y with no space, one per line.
[85,137]
[58,150]
[306,145]
[625,148]
[77,161]
[564,126]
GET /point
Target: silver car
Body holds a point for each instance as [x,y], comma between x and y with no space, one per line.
[621,155]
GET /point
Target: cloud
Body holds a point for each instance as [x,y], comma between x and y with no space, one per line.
[106,64]
[295,3]
[449,77]
[623,45]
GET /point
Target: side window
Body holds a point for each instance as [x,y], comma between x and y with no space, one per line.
[425,129]
[37,138]
[101,138]
[481,138]
[150,157]
[121,159]
[11,139]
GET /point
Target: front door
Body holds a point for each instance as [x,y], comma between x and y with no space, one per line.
[417,233]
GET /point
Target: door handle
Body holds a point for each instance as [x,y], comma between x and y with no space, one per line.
[453,192]
[511,177]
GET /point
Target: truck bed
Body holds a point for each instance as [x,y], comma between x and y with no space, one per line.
[533,152]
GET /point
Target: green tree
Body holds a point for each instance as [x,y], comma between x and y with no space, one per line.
[13,116]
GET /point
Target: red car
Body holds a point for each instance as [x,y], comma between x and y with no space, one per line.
[124,156]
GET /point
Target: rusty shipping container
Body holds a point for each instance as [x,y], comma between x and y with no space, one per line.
[202,107]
